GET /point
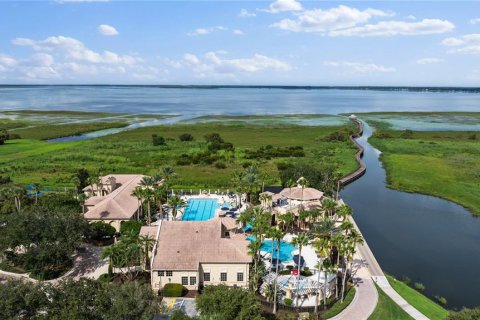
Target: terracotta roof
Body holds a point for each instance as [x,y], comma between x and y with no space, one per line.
[93,200]
[149,231]
[183,245]
[296,193]
[119,204]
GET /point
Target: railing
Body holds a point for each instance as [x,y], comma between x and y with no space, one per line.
[358,156]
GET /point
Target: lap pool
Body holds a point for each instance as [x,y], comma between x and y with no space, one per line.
[200,209]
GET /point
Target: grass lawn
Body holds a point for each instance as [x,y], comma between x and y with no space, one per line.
[423,304]
[339,306]
[387,309]
[54,164]
[444,164]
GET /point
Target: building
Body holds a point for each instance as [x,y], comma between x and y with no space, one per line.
[111,199]
[199,253]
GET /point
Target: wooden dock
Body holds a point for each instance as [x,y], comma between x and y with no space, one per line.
[358,157]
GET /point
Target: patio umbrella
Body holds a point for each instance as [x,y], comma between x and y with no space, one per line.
[297,258]
[297,193]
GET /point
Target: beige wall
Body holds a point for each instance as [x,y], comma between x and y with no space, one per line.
[214,268]
[231,269]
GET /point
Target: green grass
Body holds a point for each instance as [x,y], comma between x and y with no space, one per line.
[54,164]
[45,132]
[423,304]
[444,164]
[339,306]
[387,309]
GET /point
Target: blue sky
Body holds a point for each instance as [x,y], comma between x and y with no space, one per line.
[284,42]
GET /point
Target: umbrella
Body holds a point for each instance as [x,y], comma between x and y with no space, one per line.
[224,208]
[297,258]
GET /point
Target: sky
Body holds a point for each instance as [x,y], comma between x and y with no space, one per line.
[282,42]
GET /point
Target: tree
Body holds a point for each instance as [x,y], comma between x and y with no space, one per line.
[222,302]
[21,300]
[137,193]
[147,244]
[465,314]
[48,239]
[176,203]
[277,235]
[300,241]
[158,140]
[4,136]
[99,231]
[82,178]
[185,137]
[36,189]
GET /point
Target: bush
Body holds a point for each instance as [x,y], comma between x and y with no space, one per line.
[406,280]
[130,226]
[99,231]
[287,301]
[289,268]
[407,134]
[214,138]
[174,290]
[186,137]
[473,136]
[4,136]
[441,300]
[158,140]
[220,165]
[5,180]
[419,286]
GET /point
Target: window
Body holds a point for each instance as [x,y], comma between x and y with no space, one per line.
[169,273]
[206,276]
[223,276]
[184,281]
[239,276]
[193,281]
[161,273]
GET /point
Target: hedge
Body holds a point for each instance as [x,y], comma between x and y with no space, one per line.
[174,290]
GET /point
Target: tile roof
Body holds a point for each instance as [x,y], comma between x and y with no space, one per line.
[183,245]
[119,204]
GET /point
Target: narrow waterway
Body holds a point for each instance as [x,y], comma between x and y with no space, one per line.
[429,240]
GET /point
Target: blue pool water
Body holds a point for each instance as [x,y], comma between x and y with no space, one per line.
[286,249]
[200,209]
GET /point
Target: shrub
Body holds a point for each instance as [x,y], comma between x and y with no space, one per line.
[419,286]
[289,268]
[99,231]
[214,138]
[220,165]
[186,137]
[337,136]
[382,135]
[130,226]
[158,140]
[406,280]
[473,136]
[5,179]
[441,300]
[4,136]
[174,290]
[287,301]
[407,134]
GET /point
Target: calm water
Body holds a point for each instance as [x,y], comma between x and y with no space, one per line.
[428,239]
[234,101]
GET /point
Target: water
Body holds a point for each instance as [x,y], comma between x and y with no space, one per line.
[428,239]
[231,101]
[200,209]
[286,249]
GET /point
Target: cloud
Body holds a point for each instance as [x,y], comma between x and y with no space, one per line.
[64,58]
[358,67]
[213,65]
[474,21]
[238,32]
[74,49]
[107,30]
[429,60]
[204,31]
[318,20]
[284,5]
[245,14]
[394,28]
[466,44]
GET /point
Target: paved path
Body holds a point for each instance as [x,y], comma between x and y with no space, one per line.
[87,264]
[366,295]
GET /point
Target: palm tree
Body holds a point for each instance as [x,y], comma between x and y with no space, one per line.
[36,189]
[338,241]
[286,220]
[277,235]
[138,193]
[109,252]
[239,183]
[328,205]
[300,241]
[303,216]
[159,192]
[147,245]
[344,211]
[254,249]
[321,246]
[267,199]
[18,193]
[147,195]
[251,181]
[176,202]
[354,238]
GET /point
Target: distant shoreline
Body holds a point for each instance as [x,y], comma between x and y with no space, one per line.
[210,87]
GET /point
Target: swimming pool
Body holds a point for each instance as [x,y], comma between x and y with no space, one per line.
[286,249]
[200,209]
